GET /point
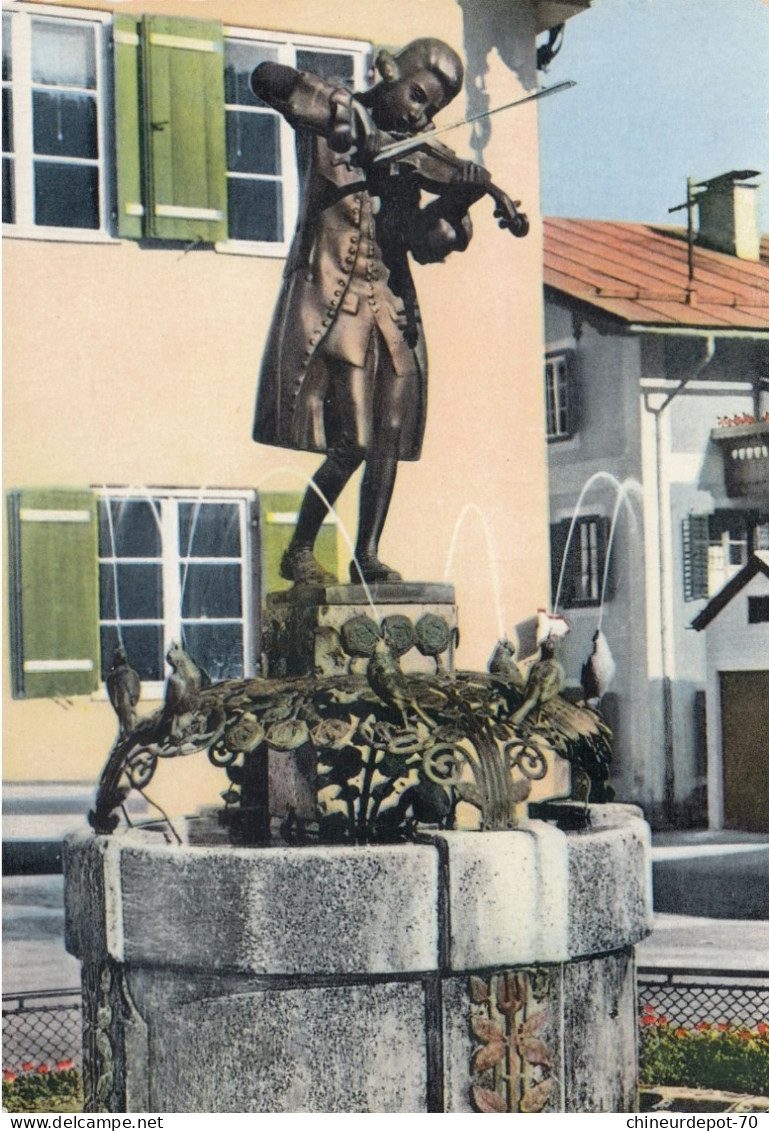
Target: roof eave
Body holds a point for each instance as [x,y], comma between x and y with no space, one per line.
[551,12]
[732,587]
[586,305]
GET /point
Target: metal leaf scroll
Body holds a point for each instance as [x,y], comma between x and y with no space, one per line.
[510,1066]
[383,754]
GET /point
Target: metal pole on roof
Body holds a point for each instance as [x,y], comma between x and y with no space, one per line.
[691,200]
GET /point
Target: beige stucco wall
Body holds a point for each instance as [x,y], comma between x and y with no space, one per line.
[125,365]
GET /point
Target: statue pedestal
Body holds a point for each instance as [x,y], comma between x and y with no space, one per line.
[305,627]
[464,972]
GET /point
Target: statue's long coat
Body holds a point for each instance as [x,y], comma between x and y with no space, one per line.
[294,376]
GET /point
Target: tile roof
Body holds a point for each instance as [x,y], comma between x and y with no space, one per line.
[638,273]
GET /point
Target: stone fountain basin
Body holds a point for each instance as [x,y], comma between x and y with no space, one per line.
[461,899]
[345,978]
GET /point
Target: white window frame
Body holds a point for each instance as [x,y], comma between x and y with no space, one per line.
[23,156]
[286,47]
[591,566]
[558,391]
[166,504]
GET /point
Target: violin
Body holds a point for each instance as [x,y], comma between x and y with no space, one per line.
[437,167]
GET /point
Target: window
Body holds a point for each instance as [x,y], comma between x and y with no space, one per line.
[560,396]
[578,558]
[54,179]
[176,566]
[197,158]
[91,569]
[718,545]
[261,166]
[758,610]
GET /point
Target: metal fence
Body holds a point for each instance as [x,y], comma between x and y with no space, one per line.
[687,997]
[41,1027]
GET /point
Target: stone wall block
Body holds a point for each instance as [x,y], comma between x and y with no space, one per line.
[343,1048]
[320,910]
[508,896]
[600,1050]
[610,882]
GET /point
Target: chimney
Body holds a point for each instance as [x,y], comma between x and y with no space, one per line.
[728,214]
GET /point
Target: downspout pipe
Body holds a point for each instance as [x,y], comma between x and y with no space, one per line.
[667,688]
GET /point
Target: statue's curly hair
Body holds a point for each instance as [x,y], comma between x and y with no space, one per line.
[438,58]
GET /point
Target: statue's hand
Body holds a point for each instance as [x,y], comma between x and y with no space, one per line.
[470,181]
[367,139]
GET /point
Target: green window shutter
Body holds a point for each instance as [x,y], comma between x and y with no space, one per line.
[54,595]
[184,132]
[130,209]
[279,510]
[696,539]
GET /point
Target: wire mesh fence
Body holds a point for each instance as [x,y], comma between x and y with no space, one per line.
[687,998]
[42,1027]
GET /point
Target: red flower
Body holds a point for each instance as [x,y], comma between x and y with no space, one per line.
[762,1028]
[722,1025]
[682,1032]
[662,1020]
[646,1019]
[746,1034]
[702,1025]
[62,1064]
[43,1068]
[27,1065]
[8,1075]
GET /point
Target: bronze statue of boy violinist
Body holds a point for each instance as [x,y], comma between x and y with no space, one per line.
[345,366]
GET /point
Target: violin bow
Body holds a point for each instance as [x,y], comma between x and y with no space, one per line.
[408,144]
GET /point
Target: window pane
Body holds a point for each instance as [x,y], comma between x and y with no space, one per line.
[240,60]
[63,54]
[9,208]
[7,28]
[210,591]
[64,125]
[66,196]
[329,65]
[143,645]
[7,120]
[139,591]
[253,144]
[255,210]
[134,532]
[214,530]
[216,647]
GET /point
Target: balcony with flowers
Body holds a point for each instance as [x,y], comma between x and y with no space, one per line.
[744,441]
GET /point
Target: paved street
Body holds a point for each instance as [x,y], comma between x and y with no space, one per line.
[706,944]
[33,935]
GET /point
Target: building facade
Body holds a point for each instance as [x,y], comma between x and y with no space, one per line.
[148,202]
[657,387]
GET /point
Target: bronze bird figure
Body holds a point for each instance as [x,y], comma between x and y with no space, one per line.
[543,682]
[124,688]
[597,671]
[502,663]
[387,680]
[184,682]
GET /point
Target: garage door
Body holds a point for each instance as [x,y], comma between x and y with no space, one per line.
[745,745]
